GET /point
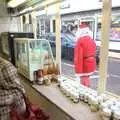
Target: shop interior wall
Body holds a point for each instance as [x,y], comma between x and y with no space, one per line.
[7,23]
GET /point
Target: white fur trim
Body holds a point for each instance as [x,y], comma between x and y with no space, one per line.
[83,32]
[84,74]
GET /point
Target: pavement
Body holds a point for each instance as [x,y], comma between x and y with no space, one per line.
[113,77]
[114,55]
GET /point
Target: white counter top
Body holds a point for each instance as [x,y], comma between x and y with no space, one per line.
[77,111]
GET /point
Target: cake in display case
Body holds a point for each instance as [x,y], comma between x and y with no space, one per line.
[32,55]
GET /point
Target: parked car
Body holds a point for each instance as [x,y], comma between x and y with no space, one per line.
[66,41]
[67,46]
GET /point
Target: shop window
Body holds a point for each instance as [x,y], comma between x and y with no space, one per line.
[113,78]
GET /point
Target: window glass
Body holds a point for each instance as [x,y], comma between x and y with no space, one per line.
[69,27]
[113,76]
[43,26]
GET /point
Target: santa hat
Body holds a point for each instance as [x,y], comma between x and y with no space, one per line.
[83,30]
[81,26]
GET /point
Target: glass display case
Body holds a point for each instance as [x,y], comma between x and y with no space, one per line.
[7,43]
[31,55]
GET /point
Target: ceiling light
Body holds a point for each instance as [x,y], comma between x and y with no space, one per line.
[26,10]
[15,3]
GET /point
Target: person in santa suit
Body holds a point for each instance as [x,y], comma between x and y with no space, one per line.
[84,54]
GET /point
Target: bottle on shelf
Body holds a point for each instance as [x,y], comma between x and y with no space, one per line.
[45,75]
[57,71]
[50,72]
[53,72]
[40,77]
[45,68]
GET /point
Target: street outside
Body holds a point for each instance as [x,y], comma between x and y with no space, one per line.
[113,79]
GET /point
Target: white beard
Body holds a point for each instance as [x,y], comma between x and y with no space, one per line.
[83,32]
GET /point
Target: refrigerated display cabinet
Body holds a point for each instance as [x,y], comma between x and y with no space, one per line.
[7,43]
[31,55]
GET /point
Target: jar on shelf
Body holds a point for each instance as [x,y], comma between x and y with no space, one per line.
[105,114]
[90,99]
[75,97]
[61,87]
[86,96]
[68,92]
[60,80]
[114,108]
[104,105]
[100,99]
[116,114]
[81,94]
[71,93]
[64,89]
[94,106]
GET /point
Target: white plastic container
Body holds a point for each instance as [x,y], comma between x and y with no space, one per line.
[68,92]
[75,97]
[81,94]
[86,96]
[117,115]
[90,99]
[105,114]
[94,104]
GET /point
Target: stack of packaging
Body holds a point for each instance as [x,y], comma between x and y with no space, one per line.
[109,108]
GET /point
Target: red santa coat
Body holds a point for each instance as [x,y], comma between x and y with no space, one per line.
[84,55]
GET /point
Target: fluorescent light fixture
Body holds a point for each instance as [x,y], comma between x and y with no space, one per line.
[15,3]
[26,10]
